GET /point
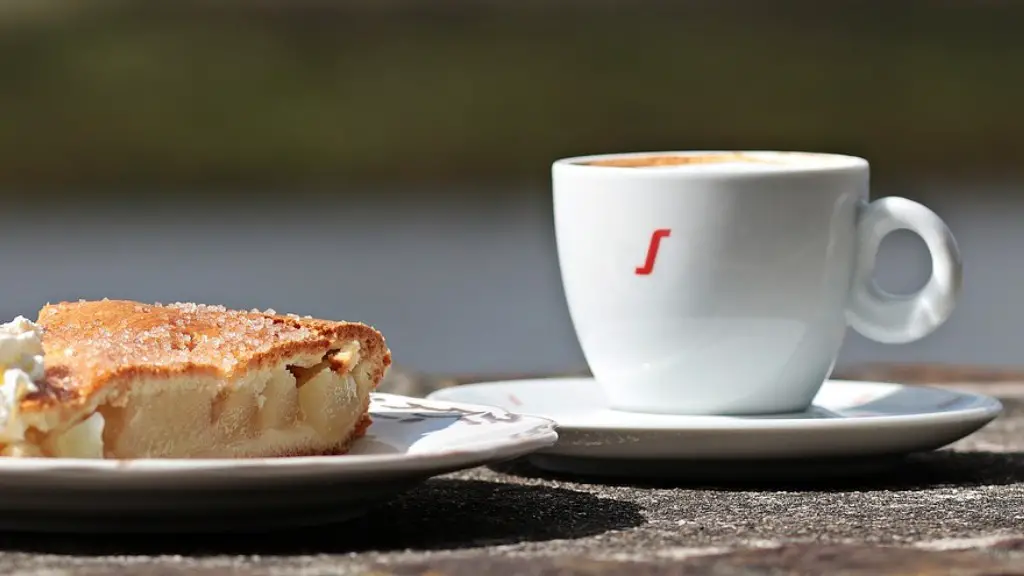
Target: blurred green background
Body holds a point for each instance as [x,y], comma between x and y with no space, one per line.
[308,94]
[388,160]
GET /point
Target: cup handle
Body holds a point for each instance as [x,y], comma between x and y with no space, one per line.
[897,319]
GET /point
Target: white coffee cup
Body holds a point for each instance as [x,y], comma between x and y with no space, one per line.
[723,282]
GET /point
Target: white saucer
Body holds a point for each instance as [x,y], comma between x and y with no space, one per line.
[849,420]
[411,439]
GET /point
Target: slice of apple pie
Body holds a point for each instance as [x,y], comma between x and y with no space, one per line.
[123,379]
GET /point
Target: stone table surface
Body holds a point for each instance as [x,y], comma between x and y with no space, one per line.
[955,511]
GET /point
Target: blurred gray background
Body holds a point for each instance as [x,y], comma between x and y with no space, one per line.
[388,161]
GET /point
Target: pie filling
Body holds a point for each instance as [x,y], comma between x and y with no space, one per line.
[311,405]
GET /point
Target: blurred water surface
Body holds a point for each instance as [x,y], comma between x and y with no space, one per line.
[457,287]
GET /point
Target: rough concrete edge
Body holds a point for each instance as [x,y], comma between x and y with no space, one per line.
[1002,541]
[982,555]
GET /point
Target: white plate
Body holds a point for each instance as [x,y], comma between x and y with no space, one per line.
[411,439]
[849,420]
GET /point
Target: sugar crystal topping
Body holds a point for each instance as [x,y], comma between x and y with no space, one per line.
[107,336]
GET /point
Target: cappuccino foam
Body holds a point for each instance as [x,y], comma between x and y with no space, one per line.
[712,160]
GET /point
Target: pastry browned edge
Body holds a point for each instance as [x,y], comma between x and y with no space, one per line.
[125,379]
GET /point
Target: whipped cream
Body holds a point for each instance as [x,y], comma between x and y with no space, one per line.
[21,356]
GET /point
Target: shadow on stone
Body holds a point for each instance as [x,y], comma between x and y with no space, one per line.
[441,514]
[941,468]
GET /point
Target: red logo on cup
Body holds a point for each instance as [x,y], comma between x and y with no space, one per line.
[652,251]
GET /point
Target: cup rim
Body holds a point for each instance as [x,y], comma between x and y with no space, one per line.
[828,162]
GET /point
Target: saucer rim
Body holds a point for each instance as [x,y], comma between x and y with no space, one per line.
[987,408]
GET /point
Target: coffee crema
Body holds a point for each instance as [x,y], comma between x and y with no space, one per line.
[656,160]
